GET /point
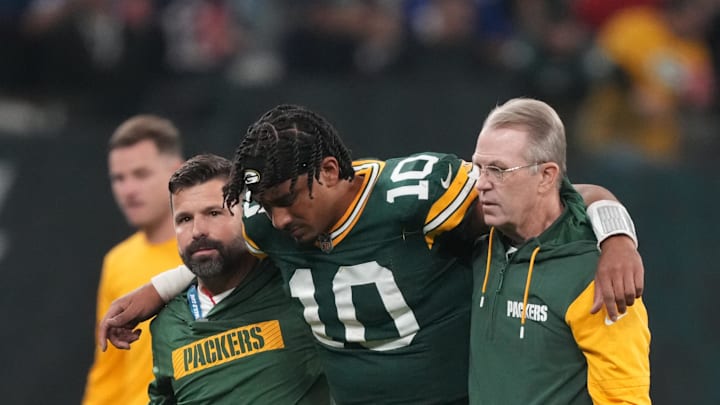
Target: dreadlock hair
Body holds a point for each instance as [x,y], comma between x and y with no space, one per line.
[286,142]
[198,170]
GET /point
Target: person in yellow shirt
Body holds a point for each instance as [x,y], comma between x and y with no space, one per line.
[144,151]
[663,69]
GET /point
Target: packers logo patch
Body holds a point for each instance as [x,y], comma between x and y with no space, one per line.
[324,242]
[251,177]
[227,346]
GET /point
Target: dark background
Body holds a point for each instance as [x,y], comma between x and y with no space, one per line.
[58,218]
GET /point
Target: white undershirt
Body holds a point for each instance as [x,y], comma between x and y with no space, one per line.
[510,251]
[206,304]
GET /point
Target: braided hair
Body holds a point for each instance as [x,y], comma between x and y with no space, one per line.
[286,142]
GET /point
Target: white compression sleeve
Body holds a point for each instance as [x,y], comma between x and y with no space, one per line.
[611,218]
[172,282]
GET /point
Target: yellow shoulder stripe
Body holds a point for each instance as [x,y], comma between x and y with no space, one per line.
[450,209]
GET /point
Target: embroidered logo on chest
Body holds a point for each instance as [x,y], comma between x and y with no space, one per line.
[535,312]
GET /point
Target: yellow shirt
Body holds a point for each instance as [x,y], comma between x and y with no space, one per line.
[122,376]
[667,72]
[657,60]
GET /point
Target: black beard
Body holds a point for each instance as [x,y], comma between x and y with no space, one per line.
[208,267]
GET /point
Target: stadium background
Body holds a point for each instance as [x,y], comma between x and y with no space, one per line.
[395,77]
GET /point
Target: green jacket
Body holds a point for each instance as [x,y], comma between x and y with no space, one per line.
[252,348]
[562,354]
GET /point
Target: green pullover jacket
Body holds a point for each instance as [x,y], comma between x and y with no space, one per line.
[548,348]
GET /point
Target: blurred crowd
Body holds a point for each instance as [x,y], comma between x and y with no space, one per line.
[641,75]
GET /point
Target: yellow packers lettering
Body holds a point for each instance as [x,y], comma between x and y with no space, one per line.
[535,312]
[227,346]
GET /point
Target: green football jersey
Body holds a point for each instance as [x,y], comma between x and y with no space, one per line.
[251,348]
[385,297]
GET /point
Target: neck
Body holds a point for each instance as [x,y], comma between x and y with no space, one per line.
[537,219]
[350,190]
[223,282]
[160,232]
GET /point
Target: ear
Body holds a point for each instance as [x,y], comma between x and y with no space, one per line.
[549,172]
[329,171]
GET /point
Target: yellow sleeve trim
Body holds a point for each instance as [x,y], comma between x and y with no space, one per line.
[253,248]
[617,353]
[449,210]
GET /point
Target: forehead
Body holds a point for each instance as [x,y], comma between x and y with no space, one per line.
[500,144]
[143,153]
[281,190]
[199,197]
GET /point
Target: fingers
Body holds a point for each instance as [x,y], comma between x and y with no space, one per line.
[597,298]
[634,280]
[639,287]
[639,279]
[618,295]
[119,343]
[605,295]
[629,290]
[123,337]
[106,329]
[102,339]
[619,278]
[119,319]
[122,317]
[116,309]
[117,329]
[608,295]
[102,334]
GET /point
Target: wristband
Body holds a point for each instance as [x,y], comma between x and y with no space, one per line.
[610,218]
[171,283]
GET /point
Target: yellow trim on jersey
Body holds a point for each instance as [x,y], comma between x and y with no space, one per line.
[450,209]
[617,353]
[252,247]
[226,346]
[370,170]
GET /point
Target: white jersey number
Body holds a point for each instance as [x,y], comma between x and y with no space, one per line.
[421,188]
[303,288]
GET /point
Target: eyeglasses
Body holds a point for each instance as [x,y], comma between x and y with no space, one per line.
[494,173]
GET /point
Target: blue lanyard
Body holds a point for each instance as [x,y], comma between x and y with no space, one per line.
[194,302]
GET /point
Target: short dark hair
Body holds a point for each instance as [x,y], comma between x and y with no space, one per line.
[286,142]
[146,127]
[198,170]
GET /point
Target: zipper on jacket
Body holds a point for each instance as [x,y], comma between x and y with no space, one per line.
[493,304]
[502,278]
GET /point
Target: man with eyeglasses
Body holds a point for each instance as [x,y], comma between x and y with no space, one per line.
[532,339]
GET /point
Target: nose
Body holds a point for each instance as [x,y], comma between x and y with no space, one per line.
[481,181]
[199,228]
[280,217]
[126,188]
